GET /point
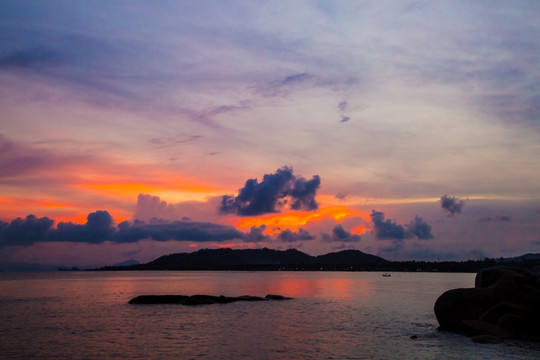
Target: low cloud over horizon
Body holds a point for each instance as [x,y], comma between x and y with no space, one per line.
[383,237]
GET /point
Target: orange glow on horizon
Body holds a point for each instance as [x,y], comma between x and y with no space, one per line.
[226,245]
[296,219]
[125,188]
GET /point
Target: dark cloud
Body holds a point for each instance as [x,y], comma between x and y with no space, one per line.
[345,119]
[24,231]
[291,236]
[342,106]
[163,230]
[272,193]
[256,234]
[451,204]
[100,227]
[303,193]
[388,229]
[339,234]
[419,228]
[498,218]
[341,196]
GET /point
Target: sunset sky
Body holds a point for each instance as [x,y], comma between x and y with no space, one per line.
[134,129]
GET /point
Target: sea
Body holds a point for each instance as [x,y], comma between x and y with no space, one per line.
[334,315]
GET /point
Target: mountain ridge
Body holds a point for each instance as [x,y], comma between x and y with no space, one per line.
[253,259]
[266,259]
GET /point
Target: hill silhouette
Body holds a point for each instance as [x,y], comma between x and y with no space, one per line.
[292,259]
[256,259]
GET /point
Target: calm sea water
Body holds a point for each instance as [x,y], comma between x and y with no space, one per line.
[335,315]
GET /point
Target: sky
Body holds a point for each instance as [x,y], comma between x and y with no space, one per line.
[135,129]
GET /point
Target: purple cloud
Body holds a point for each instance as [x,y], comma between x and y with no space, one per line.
[272,193]
[451,204]
[290,236]
[339,234]
[388,229]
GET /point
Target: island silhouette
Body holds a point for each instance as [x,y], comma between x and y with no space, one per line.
[294,260]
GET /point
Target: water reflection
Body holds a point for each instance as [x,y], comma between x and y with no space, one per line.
[334,315]
[301,285]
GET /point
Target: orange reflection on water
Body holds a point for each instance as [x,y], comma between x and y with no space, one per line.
[309,285]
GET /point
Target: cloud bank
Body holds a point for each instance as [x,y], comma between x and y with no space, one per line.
[100,227]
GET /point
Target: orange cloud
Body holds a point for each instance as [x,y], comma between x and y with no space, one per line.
[296,219]
[126,187]
[360,229]
[11,208]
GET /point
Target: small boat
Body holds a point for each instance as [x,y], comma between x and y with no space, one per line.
[386,275]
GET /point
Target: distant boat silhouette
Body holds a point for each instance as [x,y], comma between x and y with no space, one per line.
[386,275]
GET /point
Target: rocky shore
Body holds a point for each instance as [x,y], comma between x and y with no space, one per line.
[504,304]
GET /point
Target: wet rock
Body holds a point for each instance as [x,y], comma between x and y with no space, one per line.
[486,339]
[457,305]
[199,299]
[477,327]
[505,303]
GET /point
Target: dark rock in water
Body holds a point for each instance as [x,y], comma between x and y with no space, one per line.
[486,339]
[477,327]
[200,299]
[277,297]
[505,303]
[457,305]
